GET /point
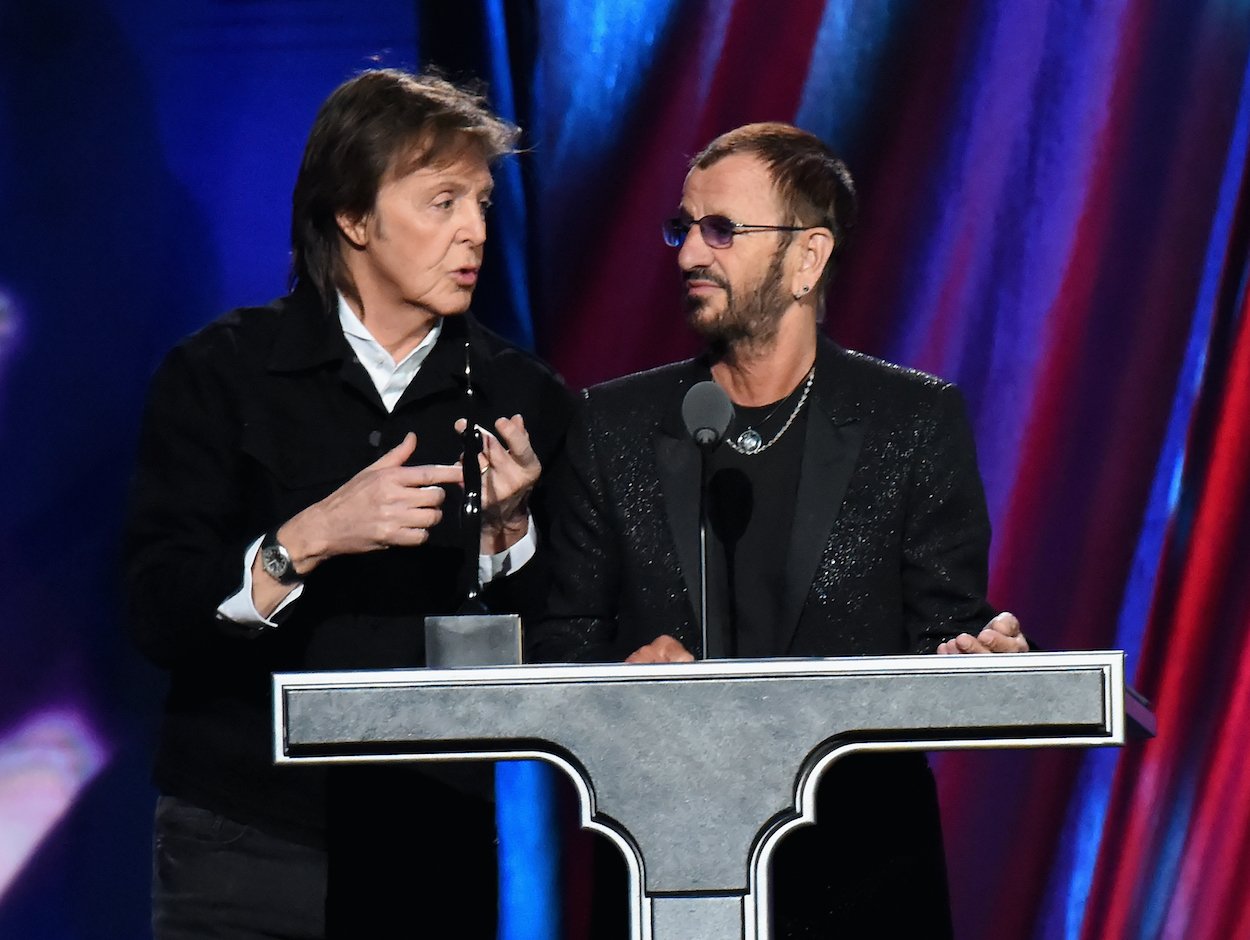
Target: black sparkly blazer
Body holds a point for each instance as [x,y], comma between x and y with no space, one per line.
[889,549]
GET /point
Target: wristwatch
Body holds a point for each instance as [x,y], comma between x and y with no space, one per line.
[276,560]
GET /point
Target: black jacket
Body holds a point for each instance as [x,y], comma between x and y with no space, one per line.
[249,421]
[889,551]
[888,554]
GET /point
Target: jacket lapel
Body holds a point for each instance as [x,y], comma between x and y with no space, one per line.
[678,464]
[679,467]
[831,449]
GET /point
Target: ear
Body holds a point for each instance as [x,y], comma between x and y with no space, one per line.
[354,229]
[815,248]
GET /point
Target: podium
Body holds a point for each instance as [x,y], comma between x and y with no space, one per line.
[696,770]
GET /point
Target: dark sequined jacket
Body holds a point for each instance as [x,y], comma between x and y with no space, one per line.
[889,550]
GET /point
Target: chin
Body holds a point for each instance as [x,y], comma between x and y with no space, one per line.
[703,318]
[454,307]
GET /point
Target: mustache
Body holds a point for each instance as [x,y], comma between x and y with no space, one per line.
[704,274]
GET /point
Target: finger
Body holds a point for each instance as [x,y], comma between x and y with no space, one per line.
[670,649]
[1005,623]
[512,431]
[997,642]
[967,643]
[462,423]
[644,654]
[408,538]
[421,519]
[396,456]
[430,474]
[423,497]
[484,460]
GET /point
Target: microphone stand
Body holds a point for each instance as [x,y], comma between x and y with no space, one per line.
[703,483]
[706,411]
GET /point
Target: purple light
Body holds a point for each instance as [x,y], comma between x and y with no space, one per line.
[9,323]
[44,765]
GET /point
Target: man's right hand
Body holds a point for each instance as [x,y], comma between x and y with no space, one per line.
[663,649]
[384,505]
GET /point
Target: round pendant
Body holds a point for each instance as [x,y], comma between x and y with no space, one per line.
[749,441]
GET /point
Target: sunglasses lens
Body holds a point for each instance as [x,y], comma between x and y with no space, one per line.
[717,231]
[675,232]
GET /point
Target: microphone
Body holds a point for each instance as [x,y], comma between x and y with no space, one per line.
[707,411]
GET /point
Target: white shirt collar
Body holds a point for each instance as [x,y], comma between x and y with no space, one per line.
[389,377]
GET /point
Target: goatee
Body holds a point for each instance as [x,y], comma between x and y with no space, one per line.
[752,320]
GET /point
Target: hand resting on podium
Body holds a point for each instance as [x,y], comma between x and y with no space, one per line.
[1000,635]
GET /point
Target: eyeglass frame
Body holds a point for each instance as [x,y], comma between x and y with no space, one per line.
[679,225]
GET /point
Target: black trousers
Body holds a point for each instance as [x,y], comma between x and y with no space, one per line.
[403,852]
[213,877]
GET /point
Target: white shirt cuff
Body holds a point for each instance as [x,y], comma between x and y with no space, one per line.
[241,609]
[490,567]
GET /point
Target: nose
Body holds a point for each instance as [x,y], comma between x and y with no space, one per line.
[694,252]
[473,224]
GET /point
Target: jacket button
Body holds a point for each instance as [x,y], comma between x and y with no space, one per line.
[375,438]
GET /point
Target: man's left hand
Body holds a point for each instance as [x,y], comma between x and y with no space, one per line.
[509,474]
[1000,635]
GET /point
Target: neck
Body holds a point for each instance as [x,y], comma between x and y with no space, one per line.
[753,374]
[398,328]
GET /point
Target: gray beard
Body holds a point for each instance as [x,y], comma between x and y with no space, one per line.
[749,322]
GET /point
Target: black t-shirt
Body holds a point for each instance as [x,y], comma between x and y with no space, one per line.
[751,500]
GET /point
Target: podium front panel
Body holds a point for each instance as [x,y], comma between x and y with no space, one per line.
[696,768]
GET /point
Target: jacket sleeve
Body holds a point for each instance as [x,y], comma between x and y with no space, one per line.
[184,546]
[946,534]
[579,624]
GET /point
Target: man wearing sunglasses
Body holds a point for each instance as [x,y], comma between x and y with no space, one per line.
[845,506]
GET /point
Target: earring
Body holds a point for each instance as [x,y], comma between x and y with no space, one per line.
[803,290]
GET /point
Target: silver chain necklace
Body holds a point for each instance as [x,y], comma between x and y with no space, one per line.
[751,442]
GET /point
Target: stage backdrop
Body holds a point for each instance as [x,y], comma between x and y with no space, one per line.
[1056,216]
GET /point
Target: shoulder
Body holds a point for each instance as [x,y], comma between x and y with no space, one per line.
[508,357]
[645,393]
[870,374]
[245,335]
[517,381]
[856,385]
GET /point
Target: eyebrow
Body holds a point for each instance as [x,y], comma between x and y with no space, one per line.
[458,185]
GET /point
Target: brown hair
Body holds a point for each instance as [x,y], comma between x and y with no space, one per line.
[813,183]
[380,121]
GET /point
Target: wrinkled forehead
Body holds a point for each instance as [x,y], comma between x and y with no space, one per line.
[738,187]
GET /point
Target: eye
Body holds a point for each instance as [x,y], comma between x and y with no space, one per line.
[484,204]
[721,228]
[444,204]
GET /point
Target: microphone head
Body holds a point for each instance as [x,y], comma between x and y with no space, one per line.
[707,411]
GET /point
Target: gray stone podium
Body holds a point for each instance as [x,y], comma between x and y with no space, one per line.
[696,770]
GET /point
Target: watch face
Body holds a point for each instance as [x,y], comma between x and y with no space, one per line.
[274,561]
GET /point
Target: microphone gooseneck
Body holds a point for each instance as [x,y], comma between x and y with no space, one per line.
[707,412]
